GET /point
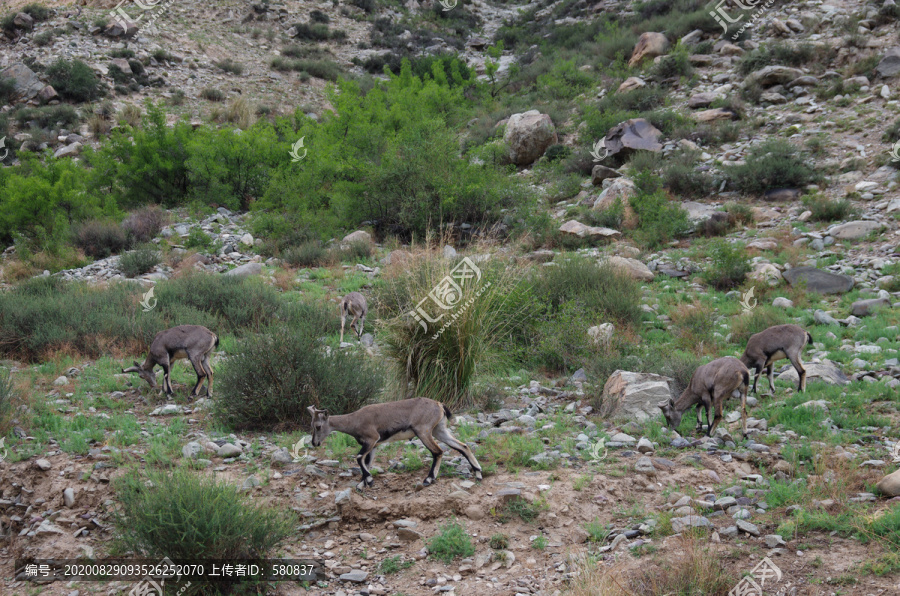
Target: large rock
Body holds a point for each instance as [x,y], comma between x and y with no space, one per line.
[826,371]
[634,396]
[581,230]
[864,308]
[630,84]
[773,75]
[120,27]
[890,484]
[698,212]
[122,64]
[632,267]
[621,190]
[649,45]
[600,173]
[528,135]
[890,63]
[633,135]
[26,84]
[714,115]
[358,236]
[245,270]
[816,280]
[23,20]
[854,230]
[70,150]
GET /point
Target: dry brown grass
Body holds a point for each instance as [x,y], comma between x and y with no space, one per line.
[284,279]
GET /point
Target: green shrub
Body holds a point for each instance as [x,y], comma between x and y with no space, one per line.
[676,63]
[121,53]
[395,564]
[499,542]
[729,267]
[659,219]
[317,16]
[37,11]
[161,55]
[825,209]
[891,133]
[186,515]
[557,152]
[355,251]
[784,54]
[198,238]
[144,165]
[74,80]
[7,89]
[100,238]
[58,116]
[273,378]
[308,254]
[211,94]
[773,164]
[451,542]
[561,343]
[565,80]
[230,66]
[139,261]
[682,177]
[602,290]
[321,69]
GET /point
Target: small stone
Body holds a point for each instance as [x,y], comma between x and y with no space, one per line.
[229,450]
[745,526]
[69,497]
[43,465]
[60,381]
[192,450]
[774,541]
[357,576]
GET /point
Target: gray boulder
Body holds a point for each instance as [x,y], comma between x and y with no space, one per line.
[890,63]
[528,136]
[634,396]
[864,308]
[854,230]
[773,75]
[633,135]
[245,270]
[26,84]
[826,371]
[817,280]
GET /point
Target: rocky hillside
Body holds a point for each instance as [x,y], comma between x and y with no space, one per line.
[618,192]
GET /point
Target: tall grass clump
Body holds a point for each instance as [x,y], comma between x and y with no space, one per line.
[825,209]
[185,515]
[274,377]
[451,542]
[488,315]
[7,395]
[660,220]
[100,238]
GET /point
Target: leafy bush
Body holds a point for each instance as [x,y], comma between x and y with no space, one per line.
[7,89]
[61,115]
[144,224]
[561,343]
[273,378]
[773,164]
[783,54]
[729,267]
[317,16]
[825,209]
[37,11]
[198,238]
[660,220]
[139,261]
[451,542]
[321,69]
[211,94]
[185,515]
[100,238]
[74,80]
[603,290]
[675,64]
[47,314]
[308,254]
[230,66]
[681,177]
